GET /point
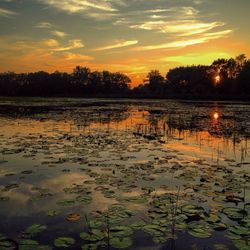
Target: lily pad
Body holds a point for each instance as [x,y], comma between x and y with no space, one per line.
[35,229]
[192,210]
[65,203]
[6,244]
[246,221]
[242,244]
[220,247]
[212,218]
[154,230]
[240,230]
[234,213]
[159,239]
[137,225]
[95,223]
[199,230]
[28,245]
[90,247]
[93,235]
[108,193]
[52,213]
[133,199]
[64,242]
[121,231]
[10,186]
[232,236]
[121,243]
[85,199]
[219,226]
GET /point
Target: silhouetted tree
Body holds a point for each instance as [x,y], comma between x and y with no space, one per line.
[224,78]
[244,80]
[191,80]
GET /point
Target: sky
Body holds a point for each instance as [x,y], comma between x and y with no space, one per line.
[129,36]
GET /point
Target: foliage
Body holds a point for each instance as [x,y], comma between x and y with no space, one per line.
[224,78]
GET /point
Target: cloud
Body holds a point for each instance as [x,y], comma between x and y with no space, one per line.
[44,25]
[117,45]
[173,45]
[58,33]
[187,42]
[7,13]
[18,55]
[51,43]
[77,57]
[198,1]
[76,6]
[73,44]
[219,34]
[181,28]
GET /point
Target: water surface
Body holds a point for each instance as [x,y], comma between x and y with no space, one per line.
[64,163]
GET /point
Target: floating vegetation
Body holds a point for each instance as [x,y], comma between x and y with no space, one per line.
[52,213]
[35,229]
[151,170]
[121,243]
[234,213]
[31,245]
[64,242]
[93,235]
[199,230]
[7,244]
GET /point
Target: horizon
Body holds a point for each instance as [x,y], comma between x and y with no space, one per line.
[131,37]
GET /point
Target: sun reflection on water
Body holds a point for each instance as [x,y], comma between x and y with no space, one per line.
[216,115]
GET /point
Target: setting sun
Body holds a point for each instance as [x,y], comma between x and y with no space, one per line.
[217,79]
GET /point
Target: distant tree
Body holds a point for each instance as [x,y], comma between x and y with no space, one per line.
[115,82]
[241,61]
[244,80]
[223,78]
[80,80]
[155,80]
[190,80]
[95,83]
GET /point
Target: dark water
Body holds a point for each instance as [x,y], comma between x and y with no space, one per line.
[61,157]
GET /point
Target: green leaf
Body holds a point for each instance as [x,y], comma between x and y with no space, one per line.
[192,210]
[120,231]
[28,245]
[121,243]
[52,213]
[64,242]
[93,235]
[239,230]
[35,229]
[212,218]
[65,203]
[242,244]
[234,213]
[199,230]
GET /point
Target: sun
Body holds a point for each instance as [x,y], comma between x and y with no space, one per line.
[217,79]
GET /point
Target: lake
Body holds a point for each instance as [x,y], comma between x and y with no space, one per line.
[124,174]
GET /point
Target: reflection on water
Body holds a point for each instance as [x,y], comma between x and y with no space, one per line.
[82,157]
[216,116]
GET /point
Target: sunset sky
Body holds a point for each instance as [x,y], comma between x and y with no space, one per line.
[130,36]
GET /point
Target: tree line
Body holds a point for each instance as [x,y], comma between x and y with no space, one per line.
[224,78]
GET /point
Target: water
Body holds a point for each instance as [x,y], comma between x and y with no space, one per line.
[60,157]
